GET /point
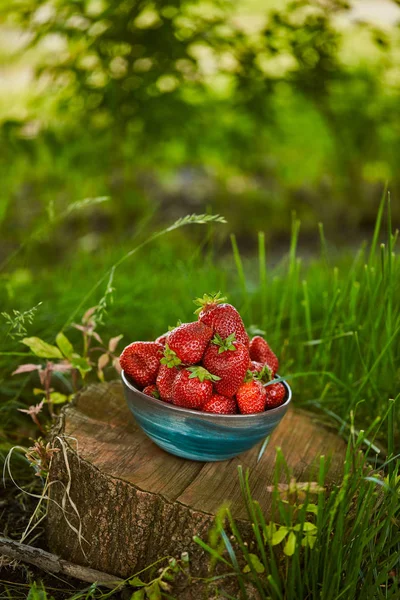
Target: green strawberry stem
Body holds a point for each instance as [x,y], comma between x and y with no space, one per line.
[202,374]
[172,327]
[264,375]
[170,358]
[250,375]
[226,344]
[213,298]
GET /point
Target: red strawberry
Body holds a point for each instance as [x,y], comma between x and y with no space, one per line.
[224,319]
[162,339]
[141,361]
[255,367]
[192,388]
[251,397]
[229,360]
[165,379]
[276,395]
[220,405]
[261,352]
[189,341]
[151,390]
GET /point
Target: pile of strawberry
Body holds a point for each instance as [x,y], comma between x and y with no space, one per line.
[208,365]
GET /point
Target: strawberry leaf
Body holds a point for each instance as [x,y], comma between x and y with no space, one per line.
[202,374]
[207,299]
[170,358]
[226,344]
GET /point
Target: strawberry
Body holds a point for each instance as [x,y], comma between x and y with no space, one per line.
[263,374]
[165,379]
[229,360]
[255,367]
[162,339]
[193,387]
[276,395]
[220,405]
[141,361]
[151,390]
[189,340]
[261,352]
[251,397]
[224,319]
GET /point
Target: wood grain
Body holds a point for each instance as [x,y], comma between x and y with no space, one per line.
[137,502]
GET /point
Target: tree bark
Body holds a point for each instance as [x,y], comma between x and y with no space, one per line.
[54,564]
[137,504]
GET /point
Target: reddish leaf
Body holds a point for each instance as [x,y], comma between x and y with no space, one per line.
[103,361]
[113,343]
[81,327]
[62,367]
[88,314]
[26,369]
[116,365]
[96,336]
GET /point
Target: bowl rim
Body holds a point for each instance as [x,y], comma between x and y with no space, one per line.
[190,411]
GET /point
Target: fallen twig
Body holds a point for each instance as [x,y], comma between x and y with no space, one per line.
[54,564]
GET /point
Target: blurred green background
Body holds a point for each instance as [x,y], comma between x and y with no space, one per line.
[251,109]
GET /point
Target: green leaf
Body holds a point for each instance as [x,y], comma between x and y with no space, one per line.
[311,540]
[290,545]
[312,508]
[153,591]
[255,563]
[39,391]
[279,535]
[41,348]
[57,398]
[308,540]
[37,594]
[138,595]
[80,363]
[64,344]
[269,531]
[136,582]
[306,527]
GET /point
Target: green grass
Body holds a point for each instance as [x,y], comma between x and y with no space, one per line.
[325,544]
[334,321]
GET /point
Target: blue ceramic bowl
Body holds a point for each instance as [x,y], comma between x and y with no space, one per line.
[199,435]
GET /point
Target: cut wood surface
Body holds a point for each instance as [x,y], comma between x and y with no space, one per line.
[136,502]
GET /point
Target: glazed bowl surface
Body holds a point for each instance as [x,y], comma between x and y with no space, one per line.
[197,435]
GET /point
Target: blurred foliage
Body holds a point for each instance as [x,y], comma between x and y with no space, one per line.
[171,103]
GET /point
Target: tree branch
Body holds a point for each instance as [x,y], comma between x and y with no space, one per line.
[53,564]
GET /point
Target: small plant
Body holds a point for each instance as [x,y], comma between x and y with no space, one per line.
[62,358]
[345,545]
[18,321]
[40,455]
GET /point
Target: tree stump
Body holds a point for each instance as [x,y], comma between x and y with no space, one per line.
[136,503]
